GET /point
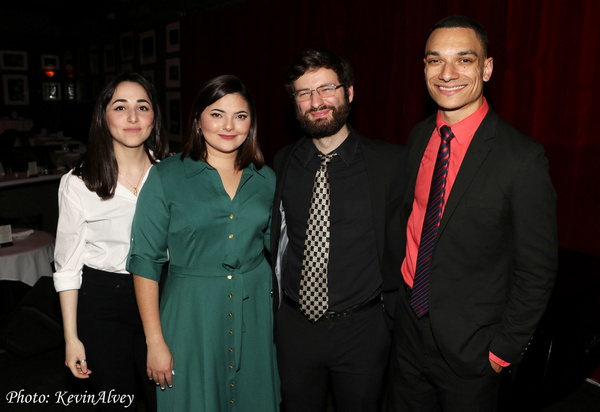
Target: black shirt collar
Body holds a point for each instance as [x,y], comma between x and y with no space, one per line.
[345,151]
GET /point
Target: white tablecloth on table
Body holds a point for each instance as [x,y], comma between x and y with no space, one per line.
[28,259]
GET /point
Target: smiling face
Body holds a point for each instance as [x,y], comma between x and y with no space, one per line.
[456,69]
[225,124]
[322,117]
[129,115]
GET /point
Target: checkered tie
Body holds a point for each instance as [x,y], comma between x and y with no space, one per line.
[419,298]
[313,285]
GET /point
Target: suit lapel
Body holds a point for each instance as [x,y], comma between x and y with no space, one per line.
[476,154]
[376,176]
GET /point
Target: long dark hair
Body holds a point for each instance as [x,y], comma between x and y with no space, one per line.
[213,90]
[98,167]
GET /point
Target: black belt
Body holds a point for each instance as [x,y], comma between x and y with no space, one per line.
[342,314]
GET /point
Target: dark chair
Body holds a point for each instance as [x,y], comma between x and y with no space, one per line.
[34,326]
[565,349]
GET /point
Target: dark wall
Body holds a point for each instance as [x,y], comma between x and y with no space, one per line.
[543,79]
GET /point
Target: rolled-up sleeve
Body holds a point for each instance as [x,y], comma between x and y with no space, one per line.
[149,233]
[70,237]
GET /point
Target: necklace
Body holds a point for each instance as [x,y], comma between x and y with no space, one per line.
[135,187]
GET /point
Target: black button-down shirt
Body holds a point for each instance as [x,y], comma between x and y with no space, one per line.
[353,269]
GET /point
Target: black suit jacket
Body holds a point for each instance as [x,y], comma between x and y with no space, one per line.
[386,165]
[495,258]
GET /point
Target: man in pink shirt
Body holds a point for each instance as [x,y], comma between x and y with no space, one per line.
[481,247]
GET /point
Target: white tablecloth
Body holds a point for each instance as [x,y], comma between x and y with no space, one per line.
[28,259]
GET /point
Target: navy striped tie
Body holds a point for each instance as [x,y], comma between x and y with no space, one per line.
[419,299]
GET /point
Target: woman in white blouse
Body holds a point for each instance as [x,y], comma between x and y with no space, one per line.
[104,339]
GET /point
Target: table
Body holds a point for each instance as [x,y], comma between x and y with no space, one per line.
[28,259]
[21,178]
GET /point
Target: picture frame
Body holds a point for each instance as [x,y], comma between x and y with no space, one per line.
[80,61]
[126,42]
[51,91]
[69,62]
[94,59]
[173,124]
[172,37]
[16,89]
[13,60]
[50,62]
[70,91]
[109,58]
[148,47]
[149,75]
[172,72]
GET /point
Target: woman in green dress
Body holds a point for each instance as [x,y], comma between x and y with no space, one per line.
[207,213]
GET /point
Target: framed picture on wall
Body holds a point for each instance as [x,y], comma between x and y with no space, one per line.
[127,46]
[80,61]
[70,91]
[147,47]
[51,91]
[149,75]
[69,62]
[172,31]
[174,115]
[50,62]
[94,59]
[109,58]
[16,89]
[13,60]
[172,71]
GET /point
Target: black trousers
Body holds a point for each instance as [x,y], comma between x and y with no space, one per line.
[109,325]
[422,381]
[351,353]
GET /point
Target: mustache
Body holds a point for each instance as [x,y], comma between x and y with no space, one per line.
[322,107]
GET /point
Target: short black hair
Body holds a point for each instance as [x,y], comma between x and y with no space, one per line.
[315,59]
[458,21]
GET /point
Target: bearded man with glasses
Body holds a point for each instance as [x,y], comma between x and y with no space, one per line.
[335,273]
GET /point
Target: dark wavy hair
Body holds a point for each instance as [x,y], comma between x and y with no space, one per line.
[315,59]
[213,90]
[464,22]
[98,167]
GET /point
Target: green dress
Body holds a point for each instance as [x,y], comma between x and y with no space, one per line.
[216,305]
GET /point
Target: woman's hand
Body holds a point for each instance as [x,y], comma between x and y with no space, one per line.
[75,359]
[74,349]
[159,365]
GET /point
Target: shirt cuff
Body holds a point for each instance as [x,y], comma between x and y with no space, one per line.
[499,361]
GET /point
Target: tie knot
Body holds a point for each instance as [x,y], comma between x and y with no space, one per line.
[446,133]
[326,158]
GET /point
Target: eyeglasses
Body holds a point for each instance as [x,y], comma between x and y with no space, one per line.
[327,90]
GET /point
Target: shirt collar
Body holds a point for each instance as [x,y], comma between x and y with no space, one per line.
[193,167]
[345,151]
[467,127]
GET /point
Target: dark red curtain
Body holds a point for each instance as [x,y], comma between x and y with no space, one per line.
[545,53]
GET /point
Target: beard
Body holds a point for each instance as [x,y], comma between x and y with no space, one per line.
[320,128]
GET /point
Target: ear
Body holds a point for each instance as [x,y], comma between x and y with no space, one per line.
[488,68]
[350,93]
